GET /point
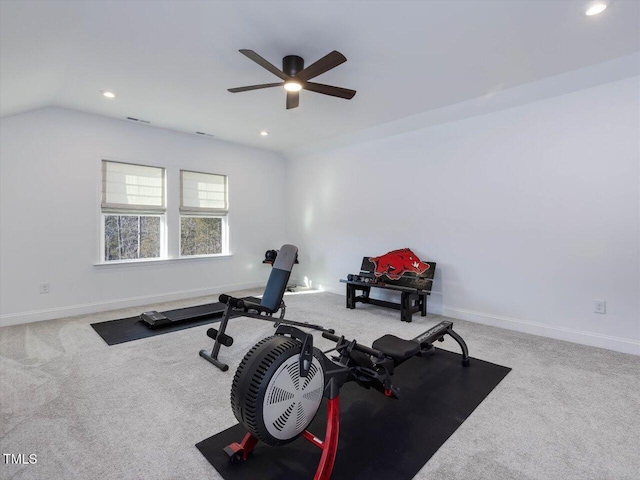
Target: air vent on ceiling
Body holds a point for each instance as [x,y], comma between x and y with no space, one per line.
[205,134]
[138,120]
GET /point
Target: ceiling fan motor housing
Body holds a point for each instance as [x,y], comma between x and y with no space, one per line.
[292,64]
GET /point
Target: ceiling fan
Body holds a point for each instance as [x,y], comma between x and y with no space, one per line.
[295,77]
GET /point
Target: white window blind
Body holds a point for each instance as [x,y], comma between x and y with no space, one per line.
[132,187]
[203,193]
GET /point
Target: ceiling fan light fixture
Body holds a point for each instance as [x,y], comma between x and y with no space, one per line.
[594,8]
[292,86]
[108,93]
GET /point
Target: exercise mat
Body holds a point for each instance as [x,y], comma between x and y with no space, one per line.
[127,329]
[380,438]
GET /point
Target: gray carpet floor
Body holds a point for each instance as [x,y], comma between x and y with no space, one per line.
[136,410]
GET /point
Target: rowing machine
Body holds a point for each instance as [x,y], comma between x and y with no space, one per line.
[278,387]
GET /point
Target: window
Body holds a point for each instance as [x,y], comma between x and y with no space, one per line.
[133,211]
[203,213]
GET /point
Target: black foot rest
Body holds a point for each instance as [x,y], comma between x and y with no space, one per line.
[396,348]
[225,339]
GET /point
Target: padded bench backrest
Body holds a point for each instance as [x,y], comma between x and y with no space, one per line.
[423,281]
[280,273]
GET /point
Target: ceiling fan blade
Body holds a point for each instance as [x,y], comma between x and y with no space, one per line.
[265,64]
[326,63]
[293,99]
[255,87]
[329,90]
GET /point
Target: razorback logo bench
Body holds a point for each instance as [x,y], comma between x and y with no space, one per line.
[399,270]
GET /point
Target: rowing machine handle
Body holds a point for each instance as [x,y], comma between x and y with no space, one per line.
[357,346]
[330,336]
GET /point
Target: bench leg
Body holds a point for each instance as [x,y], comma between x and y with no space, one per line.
[405,307]
[351,296]
[213,356]
[423,305]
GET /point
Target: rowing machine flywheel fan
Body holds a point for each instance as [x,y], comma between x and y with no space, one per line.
[269,397]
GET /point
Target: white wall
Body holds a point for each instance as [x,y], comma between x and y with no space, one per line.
[50,214]
[531,213]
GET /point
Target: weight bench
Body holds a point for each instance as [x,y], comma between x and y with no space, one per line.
[261,309]
[414,287]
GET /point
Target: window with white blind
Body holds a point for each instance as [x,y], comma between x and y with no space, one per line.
[133,211]
[203,213]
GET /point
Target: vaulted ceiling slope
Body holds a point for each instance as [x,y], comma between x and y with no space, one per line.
[171,62]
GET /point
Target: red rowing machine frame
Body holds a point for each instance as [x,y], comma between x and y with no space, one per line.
[329,446]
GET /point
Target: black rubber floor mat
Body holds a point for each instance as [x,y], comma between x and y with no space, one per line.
[380,438]
[127,329]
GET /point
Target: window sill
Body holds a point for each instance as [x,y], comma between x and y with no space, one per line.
[154,261]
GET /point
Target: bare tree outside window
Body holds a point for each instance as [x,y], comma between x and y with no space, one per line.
[129,237]
[200,235]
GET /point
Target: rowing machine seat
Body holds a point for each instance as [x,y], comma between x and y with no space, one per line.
[397,348]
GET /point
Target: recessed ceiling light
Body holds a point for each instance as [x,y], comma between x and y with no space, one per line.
[292,87]
[595,8]
[108,93]
[264,133]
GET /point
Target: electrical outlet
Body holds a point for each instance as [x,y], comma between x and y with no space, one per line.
[600,306]
[44,288]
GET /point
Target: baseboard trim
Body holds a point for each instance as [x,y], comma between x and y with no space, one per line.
[591,339]
[623,345]
[95,307]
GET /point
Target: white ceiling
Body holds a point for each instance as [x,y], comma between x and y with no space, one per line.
[171,62]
